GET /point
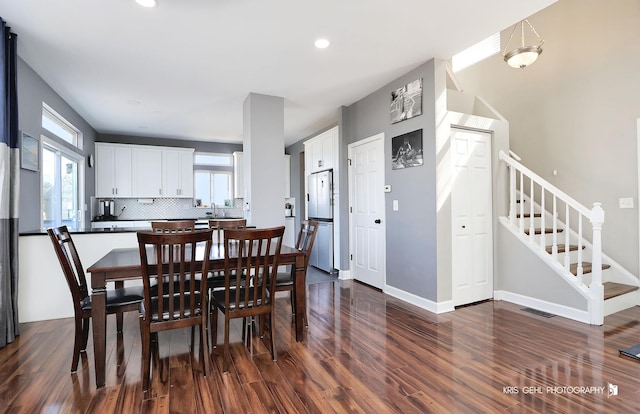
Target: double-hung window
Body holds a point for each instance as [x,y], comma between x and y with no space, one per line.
[213,178]
[62,172]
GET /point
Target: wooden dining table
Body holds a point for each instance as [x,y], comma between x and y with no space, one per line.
[124,264]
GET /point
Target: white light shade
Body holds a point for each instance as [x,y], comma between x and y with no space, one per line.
[322,43]
[523,56]
[147,3]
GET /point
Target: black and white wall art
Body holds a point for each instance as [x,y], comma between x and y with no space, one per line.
[406,102]
[407,150]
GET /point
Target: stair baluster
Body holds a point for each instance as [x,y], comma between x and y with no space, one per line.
[532,230]
[543,233]
[554,245]
[567,246]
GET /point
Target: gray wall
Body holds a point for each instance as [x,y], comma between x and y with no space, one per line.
[32,92]
[411,231]
[576,109]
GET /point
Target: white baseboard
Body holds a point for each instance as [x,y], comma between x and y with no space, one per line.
[345,275]
[554,308]
[431,306]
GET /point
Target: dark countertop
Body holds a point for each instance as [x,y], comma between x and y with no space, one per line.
[41,232]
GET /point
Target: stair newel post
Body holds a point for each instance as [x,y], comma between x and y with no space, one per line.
[596,288]
[543,233]
[532,199]
[567,259]
[554,245]
[512,195]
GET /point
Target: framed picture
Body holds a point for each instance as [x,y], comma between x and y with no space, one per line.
[407,150]
[29,152]
[406,102]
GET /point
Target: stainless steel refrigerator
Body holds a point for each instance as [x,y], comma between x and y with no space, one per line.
[320,208]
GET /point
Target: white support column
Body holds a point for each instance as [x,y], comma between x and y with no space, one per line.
[263,148]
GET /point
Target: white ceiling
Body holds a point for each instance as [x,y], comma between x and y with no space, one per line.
[191,63]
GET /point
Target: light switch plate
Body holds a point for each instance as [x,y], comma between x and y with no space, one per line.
[395,205]
[626,202]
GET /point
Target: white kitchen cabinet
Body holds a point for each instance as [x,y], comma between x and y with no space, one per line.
[321,151]
[238,174]
[113,170]
[146,171]
[177,172]
[287,176]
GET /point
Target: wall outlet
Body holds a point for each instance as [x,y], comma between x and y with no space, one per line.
[626,202]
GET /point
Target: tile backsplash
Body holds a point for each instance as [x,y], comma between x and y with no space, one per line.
[167,208]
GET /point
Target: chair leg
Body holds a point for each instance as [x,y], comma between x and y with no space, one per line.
[146,354]
[272,332]
[119,322]
[213,323]
[77,343]
[204,348]
[85,333]
[225,347]
[120,315]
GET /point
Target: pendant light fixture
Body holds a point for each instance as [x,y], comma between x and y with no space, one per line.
[522,56]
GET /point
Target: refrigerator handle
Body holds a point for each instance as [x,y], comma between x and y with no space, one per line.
[307,197]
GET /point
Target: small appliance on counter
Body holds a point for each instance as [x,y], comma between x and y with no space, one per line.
[106,210]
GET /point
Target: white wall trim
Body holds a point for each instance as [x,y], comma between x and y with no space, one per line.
[345,275]
[638,162]
[431,306]
[554,308]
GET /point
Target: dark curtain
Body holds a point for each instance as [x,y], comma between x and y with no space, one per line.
[9,185]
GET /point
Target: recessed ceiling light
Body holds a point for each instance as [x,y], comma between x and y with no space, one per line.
[322,43]
[147,3]
[133,102]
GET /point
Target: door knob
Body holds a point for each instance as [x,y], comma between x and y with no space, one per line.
[378,221]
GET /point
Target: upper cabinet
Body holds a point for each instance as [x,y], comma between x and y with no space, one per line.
[147,171]
[177,172]
[113,170]
[320,151]
[238,174]
[143,171]
[287,176]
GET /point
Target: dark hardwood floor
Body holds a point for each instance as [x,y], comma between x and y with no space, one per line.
[364,352]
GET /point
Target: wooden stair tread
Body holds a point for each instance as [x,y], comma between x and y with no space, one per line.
[561,248]
[612,289]
[587,267]
[528,215]
[546,231]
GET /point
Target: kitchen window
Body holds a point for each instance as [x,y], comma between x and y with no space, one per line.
[213,178]
[62,174]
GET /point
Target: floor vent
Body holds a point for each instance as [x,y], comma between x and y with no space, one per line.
[538,312]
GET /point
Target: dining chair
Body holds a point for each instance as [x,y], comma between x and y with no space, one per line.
[216,279]
[285,280]
[173,226]
[179,259]
[117,301]
[250,264]
[221,225]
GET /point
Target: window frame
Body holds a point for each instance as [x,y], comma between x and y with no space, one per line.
[77,140]
[63,150]
[211,168]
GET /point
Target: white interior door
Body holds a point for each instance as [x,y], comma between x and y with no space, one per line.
[471,217]
[367,229]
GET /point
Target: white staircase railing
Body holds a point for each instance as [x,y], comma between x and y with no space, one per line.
[554,200]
